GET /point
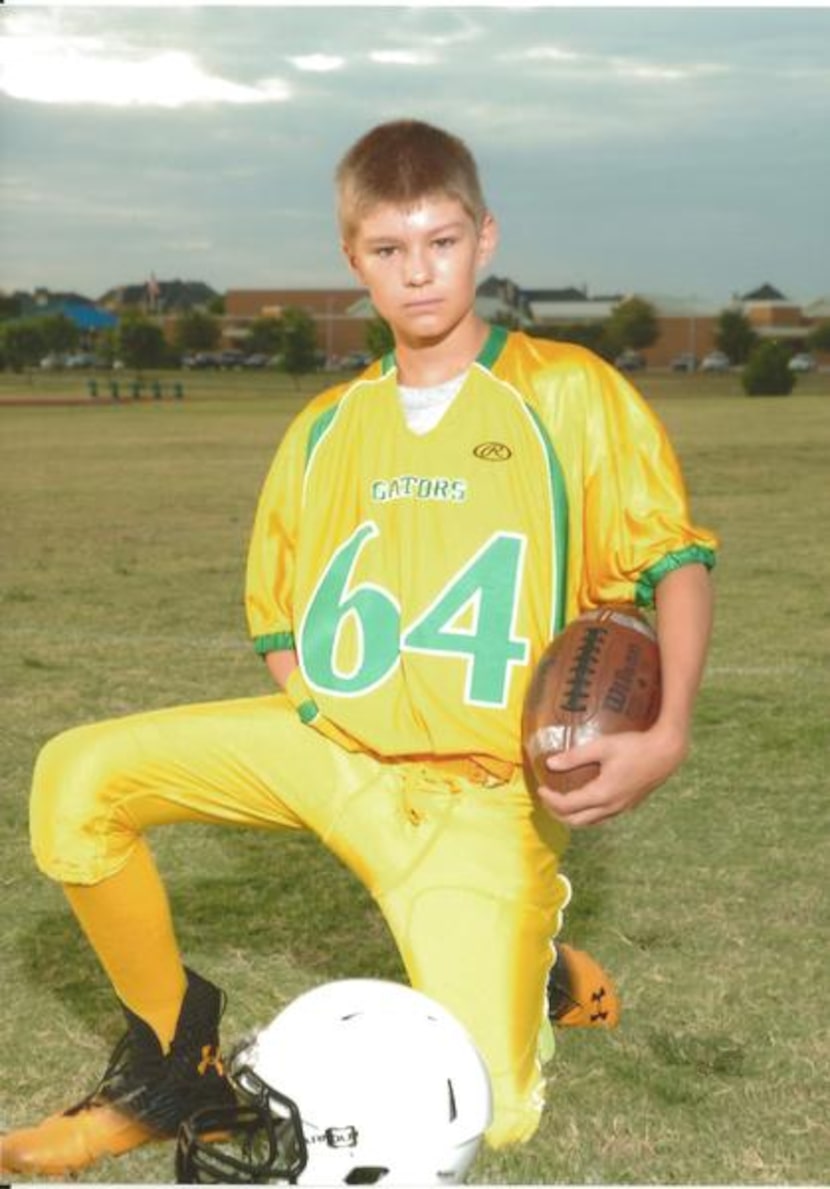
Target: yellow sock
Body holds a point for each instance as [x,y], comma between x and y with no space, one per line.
[127,921]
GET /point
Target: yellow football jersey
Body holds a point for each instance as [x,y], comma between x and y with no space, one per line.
[419,577]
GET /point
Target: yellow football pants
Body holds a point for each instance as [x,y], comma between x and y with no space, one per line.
[464,872]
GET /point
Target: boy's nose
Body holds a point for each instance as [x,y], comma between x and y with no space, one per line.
[417,269]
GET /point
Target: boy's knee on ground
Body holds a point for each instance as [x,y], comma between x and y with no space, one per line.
[514,1122]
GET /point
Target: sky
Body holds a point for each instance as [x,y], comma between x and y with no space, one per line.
[654,150]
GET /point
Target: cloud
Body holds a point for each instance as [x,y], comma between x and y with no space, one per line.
[595,67]
[548,53]
[402,57]
[619,147]
[43,67]
[318,63]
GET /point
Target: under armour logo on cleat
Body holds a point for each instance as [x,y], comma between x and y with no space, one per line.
[210,1059]
[597,997]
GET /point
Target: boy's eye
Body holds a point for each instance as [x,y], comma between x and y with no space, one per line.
[385,250]
[445,241]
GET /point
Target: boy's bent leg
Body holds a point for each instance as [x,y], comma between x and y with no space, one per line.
[95,788]
[112,914]
[473,920]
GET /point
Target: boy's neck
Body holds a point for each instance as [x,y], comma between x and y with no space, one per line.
[427,363]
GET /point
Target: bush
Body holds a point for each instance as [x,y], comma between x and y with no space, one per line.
[767,373]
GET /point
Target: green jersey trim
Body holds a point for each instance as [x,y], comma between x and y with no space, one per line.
[487,356]
[318,429]
[493,347]
[275,642]
[648,580]
[561,518]
[307,711]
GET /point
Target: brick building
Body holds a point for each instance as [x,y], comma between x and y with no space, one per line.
[687,324]
[340,315]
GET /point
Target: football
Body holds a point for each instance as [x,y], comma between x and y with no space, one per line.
[600,676]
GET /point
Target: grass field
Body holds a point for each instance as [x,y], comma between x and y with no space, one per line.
[124,530]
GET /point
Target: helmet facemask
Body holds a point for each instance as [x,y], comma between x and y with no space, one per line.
[259,1141]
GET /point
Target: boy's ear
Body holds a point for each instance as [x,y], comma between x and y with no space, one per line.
[351,261]
[488,239]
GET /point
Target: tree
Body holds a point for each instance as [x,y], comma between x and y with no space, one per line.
[379,338]
[10,307]
[767,372]
[264,337]
[22,343]
[106,346]
[141,343]
[299,341]
[735,336]
[593,335]
[633,324]
[819,337]
[197,331]
[60,334]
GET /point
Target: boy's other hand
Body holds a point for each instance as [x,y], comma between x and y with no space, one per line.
[632,765]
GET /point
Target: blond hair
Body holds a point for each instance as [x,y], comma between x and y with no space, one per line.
[401,163]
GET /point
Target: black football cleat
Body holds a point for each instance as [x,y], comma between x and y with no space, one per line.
[144,1094]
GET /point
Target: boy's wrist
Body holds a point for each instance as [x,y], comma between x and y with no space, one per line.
[673,734]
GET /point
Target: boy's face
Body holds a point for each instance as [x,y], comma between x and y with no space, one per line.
[420,265]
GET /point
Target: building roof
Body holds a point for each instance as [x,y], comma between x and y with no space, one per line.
[570,293]
[572,311]
[169,296]
[671,305]
[765,292]
[818,309]
[84,315]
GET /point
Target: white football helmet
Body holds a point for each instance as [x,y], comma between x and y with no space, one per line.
[356,1082]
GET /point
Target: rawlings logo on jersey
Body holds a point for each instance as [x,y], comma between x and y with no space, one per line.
[493,451]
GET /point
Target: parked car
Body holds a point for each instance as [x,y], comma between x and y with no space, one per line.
[256,360]
[355,360]
[52,362]
[685,362]
[199,360]
[231,358]
[82,359]
[803,362]
[715,361]
[629,361]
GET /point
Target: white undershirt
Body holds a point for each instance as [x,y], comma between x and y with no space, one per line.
[423,408]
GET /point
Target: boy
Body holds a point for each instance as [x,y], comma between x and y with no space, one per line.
[422,533]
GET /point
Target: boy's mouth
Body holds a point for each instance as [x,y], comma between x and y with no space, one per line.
[422,303]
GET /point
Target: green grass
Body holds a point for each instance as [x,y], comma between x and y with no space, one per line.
[122,550]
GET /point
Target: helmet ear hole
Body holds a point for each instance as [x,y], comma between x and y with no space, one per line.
[365,1176]
[453,1106]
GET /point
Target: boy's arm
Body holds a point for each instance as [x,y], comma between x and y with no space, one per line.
[281,665]
[632,765]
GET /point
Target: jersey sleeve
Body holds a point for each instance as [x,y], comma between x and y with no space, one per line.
[638,524]
[271,551]
[629,510]
[271,567]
